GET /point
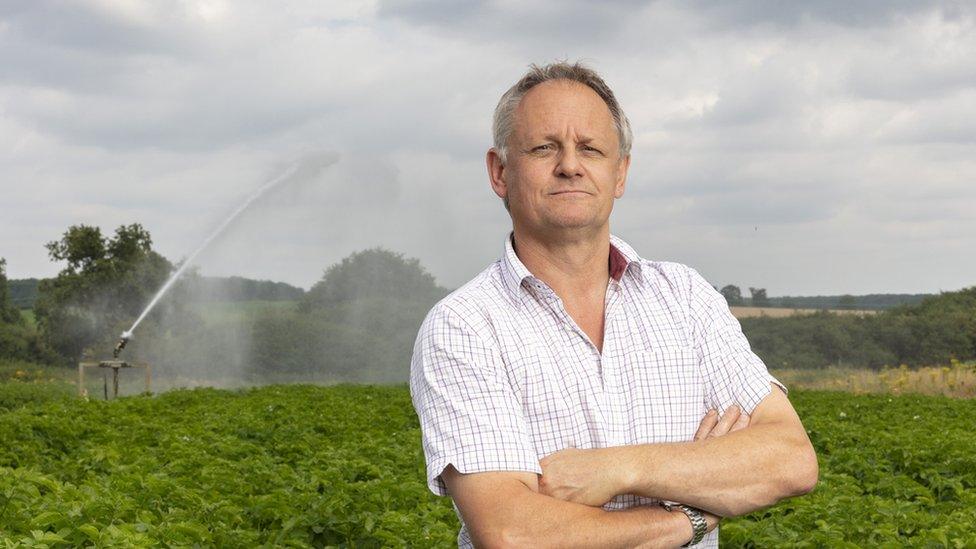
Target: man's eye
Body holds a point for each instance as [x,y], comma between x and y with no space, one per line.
[545,147]
[587,148]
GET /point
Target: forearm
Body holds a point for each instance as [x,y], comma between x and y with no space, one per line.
[728,476]
[537,520]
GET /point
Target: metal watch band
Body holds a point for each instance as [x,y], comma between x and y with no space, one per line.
[698,524]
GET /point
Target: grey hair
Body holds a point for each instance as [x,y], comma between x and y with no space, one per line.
[504,119]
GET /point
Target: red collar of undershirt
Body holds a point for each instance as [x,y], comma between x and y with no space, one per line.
[618,263]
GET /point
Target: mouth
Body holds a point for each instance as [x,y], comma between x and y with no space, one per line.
[569,193]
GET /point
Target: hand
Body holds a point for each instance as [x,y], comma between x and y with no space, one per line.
[713,426]
[711,521]
[579,475]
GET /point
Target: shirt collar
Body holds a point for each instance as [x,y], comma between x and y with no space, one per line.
[622,257]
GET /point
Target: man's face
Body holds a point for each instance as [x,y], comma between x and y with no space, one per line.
[564,167]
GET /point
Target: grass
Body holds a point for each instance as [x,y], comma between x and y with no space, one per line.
[780,312]
[957,380]
[28,315]
[219,312]
[25,383]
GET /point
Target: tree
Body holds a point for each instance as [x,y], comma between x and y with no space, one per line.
[759,298]
[18,338]
[375,273]
[732,294]
[105,284]
[847,301]
[358,323]
[8,313]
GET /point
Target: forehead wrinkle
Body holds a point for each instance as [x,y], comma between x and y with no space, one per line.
[580,138]
[542,120]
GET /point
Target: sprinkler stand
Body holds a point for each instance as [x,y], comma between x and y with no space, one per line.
[115,365]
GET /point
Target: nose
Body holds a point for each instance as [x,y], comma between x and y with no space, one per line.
[569,164]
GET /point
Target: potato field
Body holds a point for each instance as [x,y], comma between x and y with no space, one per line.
[342,466]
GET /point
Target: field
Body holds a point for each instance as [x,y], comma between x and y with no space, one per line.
[28,315]
[238,310]
[956,380]
[780,312]
[309,466]
[217,312]
[277,466]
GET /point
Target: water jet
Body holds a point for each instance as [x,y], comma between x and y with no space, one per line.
[305,167]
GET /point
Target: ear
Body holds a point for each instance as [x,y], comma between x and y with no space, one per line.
[622,168]
[496,173]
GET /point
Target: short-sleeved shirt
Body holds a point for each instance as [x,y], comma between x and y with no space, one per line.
[502,376]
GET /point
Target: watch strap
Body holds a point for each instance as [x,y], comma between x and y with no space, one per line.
[698,524]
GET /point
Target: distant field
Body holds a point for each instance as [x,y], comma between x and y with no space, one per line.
[216,312]
[29,316]
[230,311]
[957,380]
[223,311]
[779,312]
[233,310]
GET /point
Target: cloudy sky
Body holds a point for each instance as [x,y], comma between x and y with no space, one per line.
[808,148]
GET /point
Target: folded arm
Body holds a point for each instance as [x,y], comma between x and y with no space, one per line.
[747,469]
[761,460]
[731,475]
[505,509]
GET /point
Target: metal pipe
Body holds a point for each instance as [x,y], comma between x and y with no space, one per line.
[123,339]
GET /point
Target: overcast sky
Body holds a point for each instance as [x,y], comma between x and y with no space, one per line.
[807,149]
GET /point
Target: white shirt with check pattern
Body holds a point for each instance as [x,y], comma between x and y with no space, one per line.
[502,376]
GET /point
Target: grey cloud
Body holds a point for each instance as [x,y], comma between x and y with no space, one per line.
[570,22]
[86,47]
[870,13]
[770,206]
[74,26]
[835,132]
[432,12]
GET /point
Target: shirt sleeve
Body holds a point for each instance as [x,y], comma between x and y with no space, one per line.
[733,373]
[469,415]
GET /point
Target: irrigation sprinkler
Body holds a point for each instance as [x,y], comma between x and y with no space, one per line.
[306,166]
[115,365]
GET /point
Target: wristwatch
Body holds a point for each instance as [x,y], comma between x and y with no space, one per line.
[698,524]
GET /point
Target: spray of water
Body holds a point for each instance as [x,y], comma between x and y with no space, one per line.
[285,175]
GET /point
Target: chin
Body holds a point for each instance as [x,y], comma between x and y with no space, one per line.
[571,221]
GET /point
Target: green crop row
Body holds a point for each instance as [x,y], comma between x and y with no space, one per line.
[279,466]
[307,466]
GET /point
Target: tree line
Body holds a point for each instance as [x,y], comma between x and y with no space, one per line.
[357,323]
[360,320]
[936,330]
[23,292]
[758,298]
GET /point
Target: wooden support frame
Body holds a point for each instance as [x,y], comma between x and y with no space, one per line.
[115,366]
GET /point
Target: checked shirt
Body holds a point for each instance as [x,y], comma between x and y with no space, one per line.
[502,376]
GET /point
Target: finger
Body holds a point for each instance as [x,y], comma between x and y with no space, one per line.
[740,423]
[707,423]
[726,422]
[711,521]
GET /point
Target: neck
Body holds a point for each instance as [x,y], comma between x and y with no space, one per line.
[574,264]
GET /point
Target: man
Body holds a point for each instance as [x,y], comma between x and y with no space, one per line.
[573,393]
